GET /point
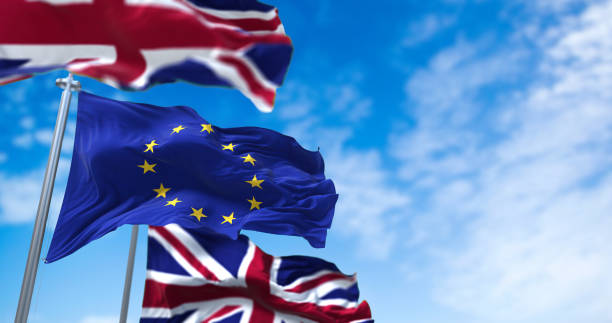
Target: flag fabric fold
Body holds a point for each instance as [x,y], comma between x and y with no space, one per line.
[134,44]
[198,277]
[142,164]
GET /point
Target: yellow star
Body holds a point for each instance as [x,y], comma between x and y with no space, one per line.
[150,146]
[173,202]
[197,213]
[254,204]
[177,129]
[228,218]
[147,167]
[255,182]
[229,147]
[249,159]
[161,191]
[207,127]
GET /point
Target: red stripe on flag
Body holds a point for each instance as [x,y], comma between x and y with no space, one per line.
[130,28]
[220,313]
[114,23]
[261,314]
[329,313]
[15,79]
[253,83]
[247,24]
[191,259]
[160,295]
[319,281]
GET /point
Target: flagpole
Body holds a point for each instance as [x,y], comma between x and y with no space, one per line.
[29,276]
[127,285]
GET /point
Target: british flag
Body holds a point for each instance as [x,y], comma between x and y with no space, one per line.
[133,44]
[198,277]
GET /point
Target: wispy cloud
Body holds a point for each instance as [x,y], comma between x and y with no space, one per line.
[516,199]
[369,205]
[19,201]
[555,6]
[19,198]
[426,28]
[27,122]
[296,101]
[446,101]
[27,139]
[342,99]
[348,100]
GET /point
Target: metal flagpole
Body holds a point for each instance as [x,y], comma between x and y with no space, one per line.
[127,285]
[29,276]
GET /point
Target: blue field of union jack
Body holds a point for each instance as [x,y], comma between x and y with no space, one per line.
[199,277]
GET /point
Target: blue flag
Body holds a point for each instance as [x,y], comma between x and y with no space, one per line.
[142,164]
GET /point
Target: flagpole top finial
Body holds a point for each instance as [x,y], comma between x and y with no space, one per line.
[63,82]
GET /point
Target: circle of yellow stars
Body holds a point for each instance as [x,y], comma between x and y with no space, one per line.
[162,191]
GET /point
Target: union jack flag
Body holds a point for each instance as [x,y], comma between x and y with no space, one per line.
[134,44]
[198,277]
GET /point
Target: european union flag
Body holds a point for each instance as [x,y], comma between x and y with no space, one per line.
[142,164]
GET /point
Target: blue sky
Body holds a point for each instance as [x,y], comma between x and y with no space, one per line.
[469,142]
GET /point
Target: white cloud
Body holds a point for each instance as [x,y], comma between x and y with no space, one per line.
[348,101]
[27,122]
[525,261]
[298,101]
[426,28]
[369,206]
[3,157]
[19,199]
[23,140]
[457,75]
[20,195]
[554,6]
[444,99]
[342,99]
[516,195]
[40,136]
[44,136]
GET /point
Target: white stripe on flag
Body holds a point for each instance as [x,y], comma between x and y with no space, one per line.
[198,252]
[175,254]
